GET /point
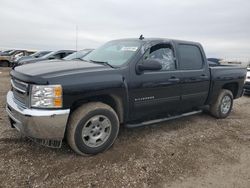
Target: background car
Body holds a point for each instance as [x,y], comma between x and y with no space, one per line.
[212,64]
[52,55]
[214,60]
[78,55]
[247,82]
[32,56]
[5,52]
[7,59]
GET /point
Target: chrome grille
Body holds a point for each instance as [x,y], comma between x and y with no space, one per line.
[20,92]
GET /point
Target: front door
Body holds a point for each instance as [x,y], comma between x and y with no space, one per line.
[154,94]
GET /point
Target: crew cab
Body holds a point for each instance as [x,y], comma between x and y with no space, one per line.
[128,82]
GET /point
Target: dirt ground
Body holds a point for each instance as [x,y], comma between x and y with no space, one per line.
[196,151]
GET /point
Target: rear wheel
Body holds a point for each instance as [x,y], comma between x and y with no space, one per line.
[92,128]
[4,64]
[222,107]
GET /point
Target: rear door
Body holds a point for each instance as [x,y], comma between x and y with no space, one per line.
[195,76]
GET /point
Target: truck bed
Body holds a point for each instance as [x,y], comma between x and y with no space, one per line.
[223,74]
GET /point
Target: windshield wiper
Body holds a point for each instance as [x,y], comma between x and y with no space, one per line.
[102,62]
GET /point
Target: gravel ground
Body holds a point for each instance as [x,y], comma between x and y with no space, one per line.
[196,151]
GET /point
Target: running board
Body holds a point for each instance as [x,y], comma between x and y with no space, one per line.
[162,119]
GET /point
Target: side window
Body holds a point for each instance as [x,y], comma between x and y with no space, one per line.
[64,54]
[42,54]
[164,54]
[190,57]
[19,54]
[58,56]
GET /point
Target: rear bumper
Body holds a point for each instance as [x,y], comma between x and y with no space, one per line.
[45,125]
[247,88]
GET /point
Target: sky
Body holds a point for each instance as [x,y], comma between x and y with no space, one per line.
[221,26]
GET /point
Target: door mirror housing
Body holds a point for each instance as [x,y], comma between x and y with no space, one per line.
[149,65]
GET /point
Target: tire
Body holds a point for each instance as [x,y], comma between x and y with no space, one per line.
[222,106]
[4,64]
[92,128]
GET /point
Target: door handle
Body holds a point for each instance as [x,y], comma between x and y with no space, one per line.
[193,78]
[174,79]
[203,76]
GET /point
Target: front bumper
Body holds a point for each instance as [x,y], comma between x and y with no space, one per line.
[43,126]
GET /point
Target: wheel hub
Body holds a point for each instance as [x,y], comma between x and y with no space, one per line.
[96,131]
[226,104]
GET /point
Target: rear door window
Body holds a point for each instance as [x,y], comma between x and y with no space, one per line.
[190,57]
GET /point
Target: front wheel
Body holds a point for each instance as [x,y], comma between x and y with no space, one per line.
[222,106]
[92,128]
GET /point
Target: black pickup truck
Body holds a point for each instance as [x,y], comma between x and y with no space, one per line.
[129,82]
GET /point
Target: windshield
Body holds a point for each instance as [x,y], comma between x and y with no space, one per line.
[115,53]
[35,54]
[77,55]
[11,52]
[7,51]
[39,53]
[49,54]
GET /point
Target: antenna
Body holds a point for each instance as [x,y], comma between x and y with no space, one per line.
[76,39]
[141,37]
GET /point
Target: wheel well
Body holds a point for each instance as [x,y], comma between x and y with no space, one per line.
[111,100]
[4,61]
[233,87]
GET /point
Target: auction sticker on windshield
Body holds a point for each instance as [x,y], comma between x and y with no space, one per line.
[133,49]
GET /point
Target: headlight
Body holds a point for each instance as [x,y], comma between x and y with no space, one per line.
[46,96]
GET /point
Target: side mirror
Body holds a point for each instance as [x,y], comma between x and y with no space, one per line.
[150,65]
[51,57]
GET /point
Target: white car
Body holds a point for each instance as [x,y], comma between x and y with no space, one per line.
[247,83]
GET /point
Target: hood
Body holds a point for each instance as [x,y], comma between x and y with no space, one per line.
[6,54]
[31,60]
[39,72]
[21,59]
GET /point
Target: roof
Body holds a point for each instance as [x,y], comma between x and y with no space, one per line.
[149,40]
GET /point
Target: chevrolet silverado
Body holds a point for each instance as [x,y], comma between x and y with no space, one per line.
[129,82]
